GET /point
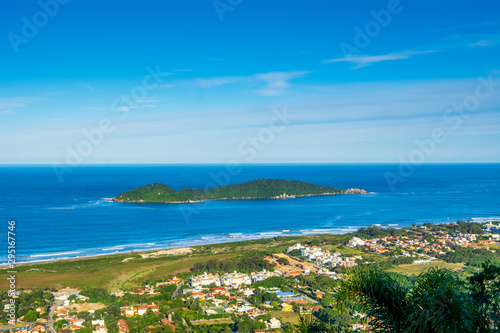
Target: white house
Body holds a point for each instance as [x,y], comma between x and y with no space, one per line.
[79,322]
[62,297]
[355,241]
[297,246]
[247,292]
[99,322]
[261,276]
[204,280]
[274,323]
[244,308]
[235,279]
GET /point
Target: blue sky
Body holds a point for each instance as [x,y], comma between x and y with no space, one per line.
[357,81]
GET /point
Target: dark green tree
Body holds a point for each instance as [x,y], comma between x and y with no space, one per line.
[485,289]
[436,301]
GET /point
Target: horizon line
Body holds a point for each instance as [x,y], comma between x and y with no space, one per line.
[246,164]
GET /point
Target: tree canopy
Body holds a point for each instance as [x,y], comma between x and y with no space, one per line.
[260,188]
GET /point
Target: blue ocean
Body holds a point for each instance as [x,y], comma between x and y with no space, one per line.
[74,217]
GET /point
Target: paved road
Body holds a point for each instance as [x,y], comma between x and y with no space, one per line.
[52,310]
[178,289]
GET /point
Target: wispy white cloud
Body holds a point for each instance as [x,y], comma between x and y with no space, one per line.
[470,40]
[218,81]
[484,42]
[276,82]
[449,43]
[7,105]
[272,83]
[365,60]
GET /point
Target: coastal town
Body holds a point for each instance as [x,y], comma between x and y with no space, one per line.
[302,281]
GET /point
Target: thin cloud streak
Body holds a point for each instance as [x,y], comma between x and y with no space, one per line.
[365,60]
[272,83]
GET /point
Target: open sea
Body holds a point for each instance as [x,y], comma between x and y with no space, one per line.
[75,218]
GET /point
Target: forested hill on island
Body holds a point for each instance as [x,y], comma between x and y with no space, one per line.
[255,189]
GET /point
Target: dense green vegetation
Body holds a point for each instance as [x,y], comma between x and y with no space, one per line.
[27,303]
[258,189]
[459,226]
[435,301]
[247,263]
[473,257]
[411,303]
[375,231]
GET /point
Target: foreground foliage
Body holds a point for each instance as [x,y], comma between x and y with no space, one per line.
[436,301]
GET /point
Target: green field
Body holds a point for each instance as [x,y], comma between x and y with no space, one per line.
[287,317]
[418,268]
[213,322]
[113,274]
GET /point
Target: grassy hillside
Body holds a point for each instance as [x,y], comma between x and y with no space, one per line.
[258,189]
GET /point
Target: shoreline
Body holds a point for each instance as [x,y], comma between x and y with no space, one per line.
[216,239]
[231,239]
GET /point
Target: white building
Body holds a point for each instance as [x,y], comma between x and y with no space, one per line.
[247,292]
[274,323]
[204,280]
[297,246]
[355,241]
[79,322]
[261,276]
[235,279]
[99,322]
[62,297]
[244,308]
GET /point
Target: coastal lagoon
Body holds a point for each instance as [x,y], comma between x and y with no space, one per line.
[72,216]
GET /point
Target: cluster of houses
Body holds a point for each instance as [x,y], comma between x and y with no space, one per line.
[493,231]
[149,289]
[232,280]
[234,302]
[419,246]
[66,298]
[227,295]
[27,329]
[130,311]
[76,323]
[323,257]
[99,326]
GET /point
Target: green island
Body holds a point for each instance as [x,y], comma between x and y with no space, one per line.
[255,189]
[424,278]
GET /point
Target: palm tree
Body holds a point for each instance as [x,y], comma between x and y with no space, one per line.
[435,302]
[310,324]
[485,289]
